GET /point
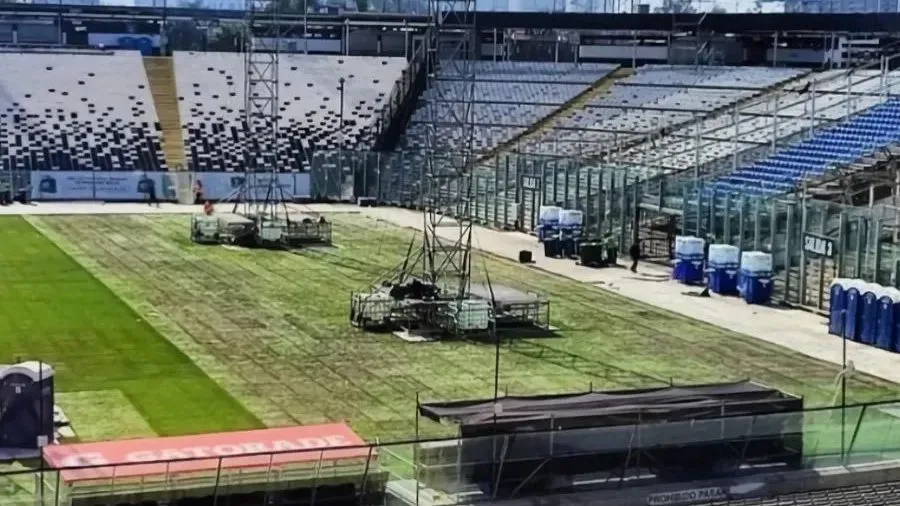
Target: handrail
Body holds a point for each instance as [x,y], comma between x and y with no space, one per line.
[743,118]
[802,133]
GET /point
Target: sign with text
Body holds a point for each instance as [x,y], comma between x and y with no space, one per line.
[818,245]
[180,454]
[91,185]
[687,496]
[135,186]
[531,183]
[221,185]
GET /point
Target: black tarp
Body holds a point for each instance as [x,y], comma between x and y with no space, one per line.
[526,444]
[615,407]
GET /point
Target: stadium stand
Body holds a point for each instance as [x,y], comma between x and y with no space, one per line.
[77,111]
[667,96]
[509,98]
[843,143]
[878,494]
[722,136]
[318,110]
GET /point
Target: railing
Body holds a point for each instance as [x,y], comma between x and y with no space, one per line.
[484,468]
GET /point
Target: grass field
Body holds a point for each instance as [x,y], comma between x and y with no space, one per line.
[107,357]
[271,329]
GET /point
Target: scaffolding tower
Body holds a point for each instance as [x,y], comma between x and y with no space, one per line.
[259,214]
[431,292]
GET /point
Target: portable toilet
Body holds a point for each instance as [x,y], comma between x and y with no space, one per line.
[688,268]
[888,319]
[838,305]
[548,221]
[755,281]
[722,268]
[27,395]
[853,302]
[870,297]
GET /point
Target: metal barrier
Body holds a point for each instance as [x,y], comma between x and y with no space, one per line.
[418,472]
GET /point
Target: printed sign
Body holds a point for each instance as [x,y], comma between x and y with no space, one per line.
[108,186]
[818,245]
[136,186]
[687,496]
[205,452]
[531,183]
[221,185]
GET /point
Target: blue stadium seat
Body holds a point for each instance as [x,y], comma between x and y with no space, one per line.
[848,141]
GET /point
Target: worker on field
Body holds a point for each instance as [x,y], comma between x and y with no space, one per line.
[208,208]
[635,253]
[198,192]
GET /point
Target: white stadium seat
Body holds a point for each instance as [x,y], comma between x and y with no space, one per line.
[77,111]
[312,115]
[508,98]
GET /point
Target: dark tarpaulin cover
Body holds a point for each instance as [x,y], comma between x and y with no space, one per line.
[616,407]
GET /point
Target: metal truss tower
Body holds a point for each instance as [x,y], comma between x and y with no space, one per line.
[261,195]
[448,174]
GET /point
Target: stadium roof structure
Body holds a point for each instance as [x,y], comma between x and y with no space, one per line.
[613,408]
[880,23]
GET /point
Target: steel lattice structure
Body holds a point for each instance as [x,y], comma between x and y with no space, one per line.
[260,194]
[449,166]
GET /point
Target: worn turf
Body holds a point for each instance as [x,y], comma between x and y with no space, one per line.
[51,309]
[271,328]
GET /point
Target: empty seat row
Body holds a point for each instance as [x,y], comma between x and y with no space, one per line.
[326,102]
[501,100]
[718,139]
[655,98]
[843,143]
[77,112]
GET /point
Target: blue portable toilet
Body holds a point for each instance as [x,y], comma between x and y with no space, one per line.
[723,265]
[688,266]
[837,306]
[548,221]
[870,296]
[853,299]
[756,281]
[888,318]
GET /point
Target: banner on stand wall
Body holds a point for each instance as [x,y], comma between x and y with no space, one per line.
[135,186]
[90,185]
[221,185]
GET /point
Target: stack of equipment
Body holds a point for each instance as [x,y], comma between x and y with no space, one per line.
[722,266]
[865,312]
[755,278]
[688,260]
[548,222]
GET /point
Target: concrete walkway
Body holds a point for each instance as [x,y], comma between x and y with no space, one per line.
[798,330]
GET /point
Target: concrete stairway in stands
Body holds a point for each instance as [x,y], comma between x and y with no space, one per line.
[161,75]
